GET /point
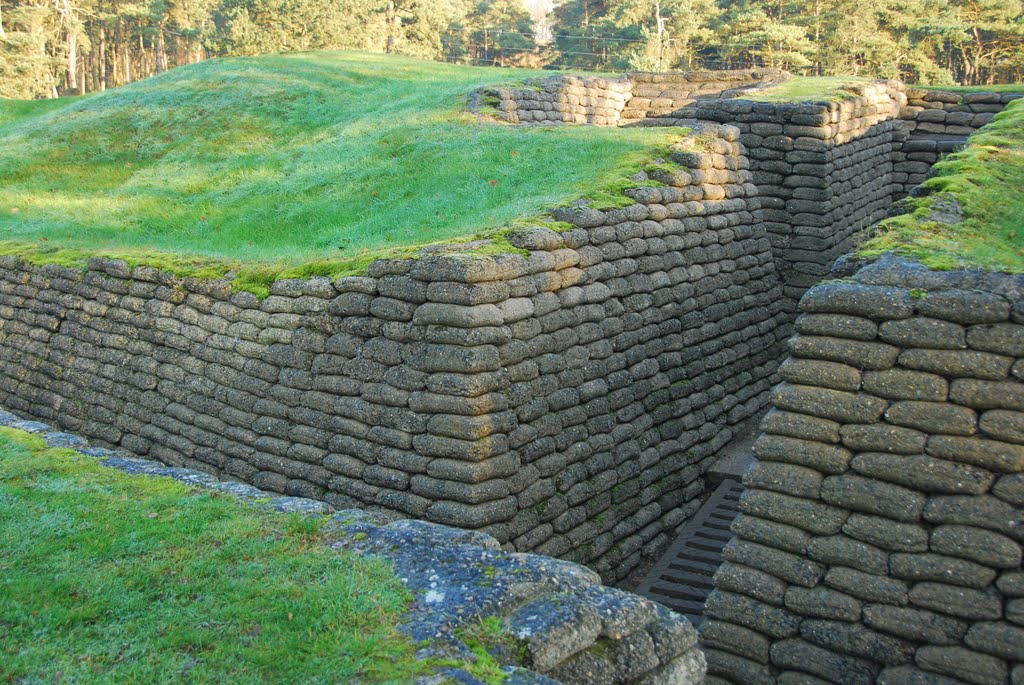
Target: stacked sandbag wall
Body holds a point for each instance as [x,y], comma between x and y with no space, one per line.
[823,171]
[634,99]
[655,99]
[937,122]
[564,398]
[561,100]
[881,530]
[543,621]
[658,329]
[946,112]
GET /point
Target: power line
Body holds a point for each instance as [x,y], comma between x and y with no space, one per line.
[698,54]
[604,68]
[497,32]
[500,31]
[554,35]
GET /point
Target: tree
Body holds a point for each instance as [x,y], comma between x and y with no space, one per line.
[70,46]
[500,32]
[24,66]
[669,29]
[765,35]
[988,35]
[585,35]
[255,27]
[28,66]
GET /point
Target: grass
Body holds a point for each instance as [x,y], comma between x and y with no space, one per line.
[106,578]
[810,88]
[986,179]
[13,111]
[484,636]
[815,88]
[277,163]
[997,88]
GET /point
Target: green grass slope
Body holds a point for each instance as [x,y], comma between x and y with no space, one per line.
[995,88]
[287,160]
[14,111]
[810,88]
[816,88]
[987,180]
[109,578]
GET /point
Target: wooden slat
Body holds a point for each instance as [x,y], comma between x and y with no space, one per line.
[682,578]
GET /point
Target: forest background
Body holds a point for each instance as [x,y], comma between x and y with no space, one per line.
[60,47]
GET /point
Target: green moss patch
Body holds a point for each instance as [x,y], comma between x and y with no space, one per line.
[986,179]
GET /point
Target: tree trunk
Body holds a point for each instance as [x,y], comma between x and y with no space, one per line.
[116,49]
[51,82]
[661,31]
[72,45]
[115,64]
[979,60]
[143,69]
[817,35]
[94,75]
[161,52]
[103,58]
[126,62]
[389,19]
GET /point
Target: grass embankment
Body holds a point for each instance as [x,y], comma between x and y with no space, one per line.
[997,88]
[107,578]
[13,111]
[810,88]
[277,162]
[987,180]
[829,88]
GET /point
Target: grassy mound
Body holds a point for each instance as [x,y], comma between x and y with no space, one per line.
[986,180]
[285,160]
[831,88]
[810,88]
[13,111]
[995,88]
[109,578]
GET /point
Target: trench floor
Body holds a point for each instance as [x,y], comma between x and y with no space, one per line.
[682,578]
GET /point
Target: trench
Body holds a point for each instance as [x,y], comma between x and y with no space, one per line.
[611,440]
[890,158]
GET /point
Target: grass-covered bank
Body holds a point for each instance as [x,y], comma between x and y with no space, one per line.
[13,111]
[986,179]
[286,160]
[110,578]
[811,88]
[817,88]
[995,88]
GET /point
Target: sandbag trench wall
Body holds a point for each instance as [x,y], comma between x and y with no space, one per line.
[825,171]
[938,122]
[564,402]
[619,101]
[881,530]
